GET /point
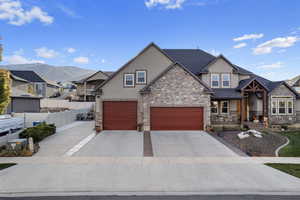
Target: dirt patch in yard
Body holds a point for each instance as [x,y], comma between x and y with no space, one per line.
[253,146]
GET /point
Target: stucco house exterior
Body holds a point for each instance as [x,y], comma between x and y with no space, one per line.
[189,89]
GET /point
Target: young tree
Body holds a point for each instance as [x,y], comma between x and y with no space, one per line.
[4,86]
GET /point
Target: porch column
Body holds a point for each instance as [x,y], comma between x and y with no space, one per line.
[84,97]
[242,108]
[265,103]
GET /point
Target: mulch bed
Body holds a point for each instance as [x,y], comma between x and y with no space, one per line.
[253,146]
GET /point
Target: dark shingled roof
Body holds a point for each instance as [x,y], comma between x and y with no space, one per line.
[193,59]
[30,76]
[196,60]
[226,93]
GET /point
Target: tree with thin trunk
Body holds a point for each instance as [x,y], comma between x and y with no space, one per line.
[4,86]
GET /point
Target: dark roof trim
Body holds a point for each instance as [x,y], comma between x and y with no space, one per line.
[130,61]
[147,87]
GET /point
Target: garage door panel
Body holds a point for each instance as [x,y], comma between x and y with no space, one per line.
[165,118]
[119,115]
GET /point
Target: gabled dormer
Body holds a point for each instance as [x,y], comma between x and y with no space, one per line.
[221,73]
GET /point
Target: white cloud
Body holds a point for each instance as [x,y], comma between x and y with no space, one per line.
[168,4]
[280,42]
[18,59]
[103,61]
[248,37]
[276,65]
[68,11]
[15,14]
[44,52]
[81,60]
[70,50]
[240,45]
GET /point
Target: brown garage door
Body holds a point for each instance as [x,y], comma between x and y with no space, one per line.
[176,118]
[119,115]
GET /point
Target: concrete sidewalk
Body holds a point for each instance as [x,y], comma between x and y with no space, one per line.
[65,138]
[137,175]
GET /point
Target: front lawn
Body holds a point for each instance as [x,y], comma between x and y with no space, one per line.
[6,165]
[253,146]
[293,148]
[292,169]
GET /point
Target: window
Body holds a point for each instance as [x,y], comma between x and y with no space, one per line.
[274,107]
[214,107]
[129,80]
[290,107]
[140,77]
[281,107]
[224,107]
[225,80]
[215,80]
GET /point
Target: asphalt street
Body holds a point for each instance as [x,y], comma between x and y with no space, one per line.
[196,197]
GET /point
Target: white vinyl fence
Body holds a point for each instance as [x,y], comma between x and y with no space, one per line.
[58,103]
[58,118]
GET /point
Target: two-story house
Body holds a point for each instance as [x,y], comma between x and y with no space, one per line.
[38,84]
[86,86]
[23,97]
[189,89]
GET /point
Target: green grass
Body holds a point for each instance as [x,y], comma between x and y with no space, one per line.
[6,165]
[293,148]
[292,169]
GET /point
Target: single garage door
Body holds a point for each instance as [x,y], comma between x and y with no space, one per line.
[119,115]
[182,118]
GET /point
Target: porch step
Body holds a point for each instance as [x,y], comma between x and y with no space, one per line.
[254,126]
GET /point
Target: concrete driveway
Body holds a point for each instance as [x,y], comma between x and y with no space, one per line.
[114,143]
[65,138]
[187,144]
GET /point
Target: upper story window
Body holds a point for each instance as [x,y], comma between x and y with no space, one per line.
[215,80]
[141,77]
[128,80]
[225,80]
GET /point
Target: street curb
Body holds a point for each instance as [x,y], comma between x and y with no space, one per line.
[145,193]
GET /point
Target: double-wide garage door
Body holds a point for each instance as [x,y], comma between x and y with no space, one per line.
[183,118]
[122,115]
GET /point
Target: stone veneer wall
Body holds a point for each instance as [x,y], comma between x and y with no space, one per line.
[232,118]
[282,119]
[176,88]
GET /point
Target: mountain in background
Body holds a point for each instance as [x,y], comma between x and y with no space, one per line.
[54,73]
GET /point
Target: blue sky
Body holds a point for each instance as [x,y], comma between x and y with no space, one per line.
[260,35]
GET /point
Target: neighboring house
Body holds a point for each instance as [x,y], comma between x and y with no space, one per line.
[22,98]
[86,86]
[23,102]
[189,89]
[39,85]
[53,89]
[295,83]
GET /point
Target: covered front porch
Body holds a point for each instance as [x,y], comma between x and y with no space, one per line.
[243,105]
[254,102]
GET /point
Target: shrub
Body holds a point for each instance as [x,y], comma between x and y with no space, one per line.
[39,132]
